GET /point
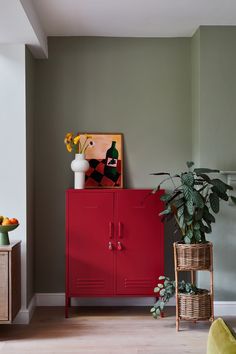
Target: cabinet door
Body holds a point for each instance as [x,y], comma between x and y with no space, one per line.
[140,244]
[90,267]
[4,288]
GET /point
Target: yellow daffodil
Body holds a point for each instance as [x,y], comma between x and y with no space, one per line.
[88,136]
[76,139]
[69,148]
[68,138]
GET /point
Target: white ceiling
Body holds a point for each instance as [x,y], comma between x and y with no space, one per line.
[132,18]
[31,21]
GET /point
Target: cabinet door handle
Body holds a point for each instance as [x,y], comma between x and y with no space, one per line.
[119,246]
[111,229]
[110,246]
[119,229]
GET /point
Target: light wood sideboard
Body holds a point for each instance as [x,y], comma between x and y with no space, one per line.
[10,281]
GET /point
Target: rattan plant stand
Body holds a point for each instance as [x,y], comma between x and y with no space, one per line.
[192,258]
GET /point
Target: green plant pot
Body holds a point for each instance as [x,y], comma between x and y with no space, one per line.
[4,229]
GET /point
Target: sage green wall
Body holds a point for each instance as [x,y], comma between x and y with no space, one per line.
[141,87]
[217,126]
[217,96]
[30,88]
[195,60]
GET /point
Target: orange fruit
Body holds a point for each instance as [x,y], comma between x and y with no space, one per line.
[6,221]
[14,221]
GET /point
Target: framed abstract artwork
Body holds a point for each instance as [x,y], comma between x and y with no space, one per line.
[105,160]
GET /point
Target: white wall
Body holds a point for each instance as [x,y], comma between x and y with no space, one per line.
[13,144]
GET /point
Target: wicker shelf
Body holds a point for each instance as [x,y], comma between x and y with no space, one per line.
[192,258]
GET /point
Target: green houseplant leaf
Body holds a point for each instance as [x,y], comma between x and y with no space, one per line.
[165,211]
[221,195]
[233,199]
[207,216]
[198,199]
[187,191]
[190,207]
[214,202]
[188,179]
[205,170]
[165,197]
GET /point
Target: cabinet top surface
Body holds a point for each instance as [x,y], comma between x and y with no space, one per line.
[9,247]
[108,190]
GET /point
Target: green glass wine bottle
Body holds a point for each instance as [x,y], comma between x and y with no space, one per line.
[112,154]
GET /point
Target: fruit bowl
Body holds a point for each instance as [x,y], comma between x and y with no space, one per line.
[7,228]
[4,229]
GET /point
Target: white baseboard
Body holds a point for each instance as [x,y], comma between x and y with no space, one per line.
[50,299]
[58,299]
[225,308]
[24,316]
[222,308]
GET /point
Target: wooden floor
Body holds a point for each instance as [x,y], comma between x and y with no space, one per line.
[103,331]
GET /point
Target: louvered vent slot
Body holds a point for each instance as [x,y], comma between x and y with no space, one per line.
[89,283]
[138,283]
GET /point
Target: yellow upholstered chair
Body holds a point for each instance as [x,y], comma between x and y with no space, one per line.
[221,338]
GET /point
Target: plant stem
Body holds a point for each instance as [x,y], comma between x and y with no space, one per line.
[83,145]
[79,147]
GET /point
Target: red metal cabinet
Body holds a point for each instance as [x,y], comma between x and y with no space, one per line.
[114,243]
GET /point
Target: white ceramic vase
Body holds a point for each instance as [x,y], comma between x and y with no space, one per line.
[79,166]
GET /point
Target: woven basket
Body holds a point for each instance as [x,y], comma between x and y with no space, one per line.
[193,257]
[194,307]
